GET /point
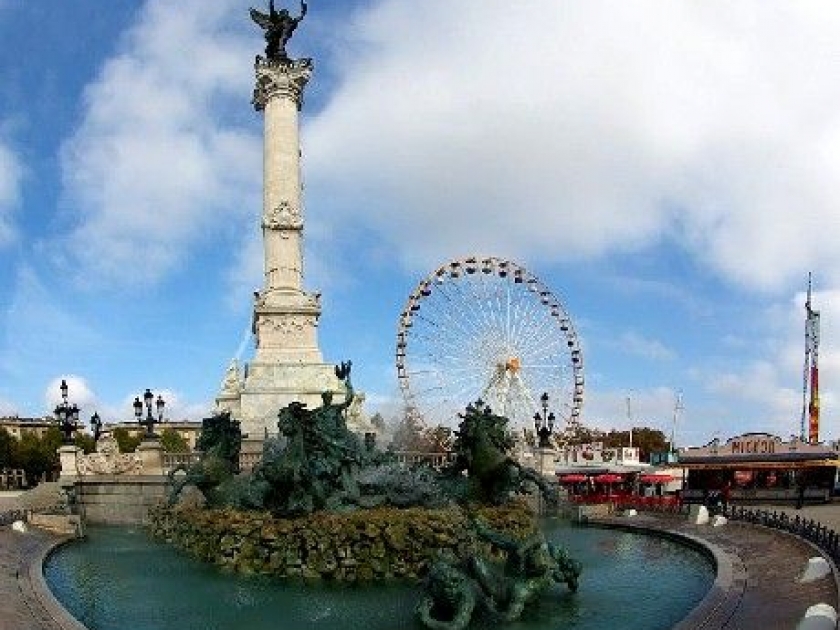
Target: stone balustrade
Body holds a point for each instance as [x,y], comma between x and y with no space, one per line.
[172,460]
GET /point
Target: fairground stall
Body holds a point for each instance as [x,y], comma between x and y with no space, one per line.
[592,473]
[759,468]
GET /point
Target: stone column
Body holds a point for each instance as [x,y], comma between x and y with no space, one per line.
[285,317]
[279,94]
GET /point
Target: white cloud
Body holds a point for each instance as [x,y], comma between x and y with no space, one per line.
[176,408]
[607,409]
[767,387]
[8,408]
[11,176]
[568,130]
[636,344]
[156,163]
[78,393]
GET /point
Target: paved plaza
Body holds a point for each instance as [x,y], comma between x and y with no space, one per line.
[756,585]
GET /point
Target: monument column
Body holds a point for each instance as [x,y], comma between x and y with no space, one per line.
[279,94]
[287,365]
[285,317]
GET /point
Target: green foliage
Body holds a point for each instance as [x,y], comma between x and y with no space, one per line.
[646,439]
[7,449]
[412,435]
[38,456]
[85,442]
[378,422]
[173,442]
[128,443]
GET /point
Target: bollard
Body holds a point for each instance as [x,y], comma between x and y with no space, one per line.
[818,617]
[816,569]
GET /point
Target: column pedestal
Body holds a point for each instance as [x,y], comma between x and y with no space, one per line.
[67,457]
[151,454]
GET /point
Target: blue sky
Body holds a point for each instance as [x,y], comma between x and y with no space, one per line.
[670,172]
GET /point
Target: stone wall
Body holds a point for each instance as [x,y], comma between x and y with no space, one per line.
[119,499]
[357,546]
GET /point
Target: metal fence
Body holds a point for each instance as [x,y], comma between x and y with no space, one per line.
[12,479]
[823,537]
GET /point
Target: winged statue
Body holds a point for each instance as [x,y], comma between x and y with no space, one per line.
[278,27]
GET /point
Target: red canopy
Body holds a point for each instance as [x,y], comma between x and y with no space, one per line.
[573,478]
[655,478]
[608,478]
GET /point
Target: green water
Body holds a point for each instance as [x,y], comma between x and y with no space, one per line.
[119,579]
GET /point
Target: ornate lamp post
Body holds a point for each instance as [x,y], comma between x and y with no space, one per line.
[544,426]
[149,421]
[544,423]
[66,415]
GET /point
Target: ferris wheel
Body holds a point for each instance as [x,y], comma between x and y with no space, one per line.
[486,328]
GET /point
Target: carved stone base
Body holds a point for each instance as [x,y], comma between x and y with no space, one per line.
[269,387]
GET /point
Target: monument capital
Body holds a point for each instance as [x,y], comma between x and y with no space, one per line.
[280,79]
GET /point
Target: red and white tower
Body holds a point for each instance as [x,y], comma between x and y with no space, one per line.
[811,372]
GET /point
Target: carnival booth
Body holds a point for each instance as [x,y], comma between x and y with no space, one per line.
[760,468]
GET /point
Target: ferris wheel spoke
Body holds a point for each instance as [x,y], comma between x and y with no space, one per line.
[535,348]
[455,318]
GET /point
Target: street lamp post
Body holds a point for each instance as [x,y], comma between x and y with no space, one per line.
[544,423]
[149,420]
[66,415]
[544,427]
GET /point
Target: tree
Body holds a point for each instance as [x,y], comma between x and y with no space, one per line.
[378,422]
[173,442]
[8,445]
[128,443]
[38,456]
[412,435]
[85,442]
[646,439]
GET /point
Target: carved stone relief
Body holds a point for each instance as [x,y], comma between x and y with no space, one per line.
[107,460]
[283,216]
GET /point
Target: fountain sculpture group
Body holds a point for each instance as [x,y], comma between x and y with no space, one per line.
[316,464]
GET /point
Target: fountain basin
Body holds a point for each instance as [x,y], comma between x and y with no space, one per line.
[119,577]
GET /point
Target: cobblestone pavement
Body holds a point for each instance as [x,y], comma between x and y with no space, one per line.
[21,607]
[758,567]
[756,586]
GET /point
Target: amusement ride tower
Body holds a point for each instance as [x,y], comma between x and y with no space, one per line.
[811,373]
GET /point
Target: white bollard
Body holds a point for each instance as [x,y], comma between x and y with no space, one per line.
[19,526]
[698,514]
[816,569]
[818,617]
[719,520]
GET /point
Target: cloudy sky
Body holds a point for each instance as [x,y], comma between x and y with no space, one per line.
[671,172]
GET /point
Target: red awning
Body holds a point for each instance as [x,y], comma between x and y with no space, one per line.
[572,478]
[608,478]
[655,478]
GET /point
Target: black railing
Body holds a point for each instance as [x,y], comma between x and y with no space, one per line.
[823,537]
